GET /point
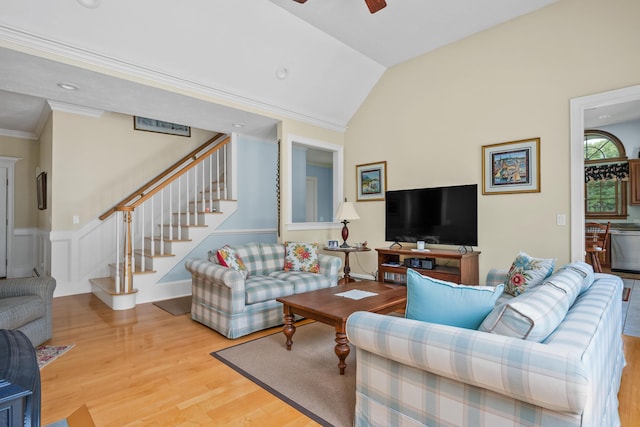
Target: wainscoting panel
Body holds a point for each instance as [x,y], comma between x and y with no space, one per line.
[24,259]
[77,256]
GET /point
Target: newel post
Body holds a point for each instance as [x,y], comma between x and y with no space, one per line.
[128,250]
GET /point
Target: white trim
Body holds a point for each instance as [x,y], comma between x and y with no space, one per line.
[338,180]
[75,109]
[18,134]
[299,226]
[577,109]
[232,167]
[363,276]
[247,231]
[9,163]
[67,51]
[24,252]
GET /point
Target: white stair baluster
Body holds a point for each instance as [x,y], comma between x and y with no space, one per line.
[119,222]
[224,170]
[218,174]
[179,208]
[162,220]
[171,210]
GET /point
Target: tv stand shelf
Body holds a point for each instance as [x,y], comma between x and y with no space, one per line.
[450,265]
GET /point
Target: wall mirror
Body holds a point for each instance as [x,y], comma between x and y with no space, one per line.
[315,183]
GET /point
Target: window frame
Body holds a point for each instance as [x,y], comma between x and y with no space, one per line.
[622,188]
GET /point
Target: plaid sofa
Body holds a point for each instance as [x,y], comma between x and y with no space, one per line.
[412,373]
[225,301]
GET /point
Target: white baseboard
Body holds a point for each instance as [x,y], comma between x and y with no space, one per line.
[362,276]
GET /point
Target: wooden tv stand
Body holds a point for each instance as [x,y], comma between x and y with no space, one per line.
[451,265]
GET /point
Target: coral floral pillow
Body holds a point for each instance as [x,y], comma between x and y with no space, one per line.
[301,257]
[228,257]
[527,272]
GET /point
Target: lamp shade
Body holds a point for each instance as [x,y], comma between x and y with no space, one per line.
[346,211]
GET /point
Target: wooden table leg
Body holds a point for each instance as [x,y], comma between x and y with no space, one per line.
[289,329]
[347,270]
[342,350]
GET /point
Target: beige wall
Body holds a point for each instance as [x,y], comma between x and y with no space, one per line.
[24,180]
[96,162]
[429,118]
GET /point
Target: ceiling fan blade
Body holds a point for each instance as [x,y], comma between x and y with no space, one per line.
[300,1]
[374,5]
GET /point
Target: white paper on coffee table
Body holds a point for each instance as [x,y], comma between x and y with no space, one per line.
[356,294]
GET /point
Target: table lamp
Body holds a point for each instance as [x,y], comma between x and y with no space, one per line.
[345,212]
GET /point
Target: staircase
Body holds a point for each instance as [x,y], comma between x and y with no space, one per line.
[160,223]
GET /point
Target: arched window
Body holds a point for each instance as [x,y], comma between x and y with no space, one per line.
[606,175]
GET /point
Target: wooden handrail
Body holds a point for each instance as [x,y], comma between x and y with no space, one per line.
[172,178]
[143,192]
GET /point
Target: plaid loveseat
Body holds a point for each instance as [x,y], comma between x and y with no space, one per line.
[412,373]
[225,301]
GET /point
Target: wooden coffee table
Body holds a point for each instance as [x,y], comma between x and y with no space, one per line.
[325,306]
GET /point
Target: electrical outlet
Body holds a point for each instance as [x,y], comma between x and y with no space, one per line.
[75,219]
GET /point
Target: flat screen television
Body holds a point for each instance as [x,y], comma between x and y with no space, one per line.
[439,215]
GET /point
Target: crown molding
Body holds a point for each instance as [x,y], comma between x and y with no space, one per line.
[19,134]
[33,41]
[75,109]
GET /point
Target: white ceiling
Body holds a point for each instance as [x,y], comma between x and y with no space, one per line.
[334,52]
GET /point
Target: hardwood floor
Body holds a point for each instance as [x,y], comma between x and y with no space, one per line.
[145,367]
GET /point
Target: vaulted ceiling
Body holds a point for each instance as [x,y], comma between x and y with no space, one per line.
[315,62]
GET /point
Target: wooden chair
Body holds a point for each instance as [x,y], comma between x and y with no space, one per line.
[596,242]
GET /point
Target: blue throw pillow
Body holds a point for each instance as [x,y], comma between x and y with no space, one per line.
[446,303]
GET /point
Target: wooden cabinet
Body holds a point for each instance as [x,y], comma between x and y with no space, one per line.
[634,178]
[450,265]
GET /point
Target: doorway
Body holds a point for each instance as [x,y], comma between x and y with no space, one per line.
[7,168]
[578,108]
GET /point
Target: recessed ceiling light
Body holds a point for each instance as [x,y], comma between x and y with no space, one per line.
[281,73]
[68,86]
[238,125]
[91,4]
[604,116]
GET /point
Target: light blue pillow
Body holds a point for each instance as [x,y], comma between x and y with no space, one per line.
[446,303]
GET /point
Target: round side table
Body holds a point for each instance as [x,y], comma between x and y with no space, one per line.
[347,278]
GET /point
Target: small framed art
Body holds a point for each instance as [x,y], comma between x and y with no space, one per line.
[152,125]
[371,179]
[332,244]
[511,167]
[41,190]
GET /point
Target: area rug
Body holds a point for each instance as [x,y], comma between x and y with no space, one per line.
[307,377]
[175,306]
[626,292]
[48,353]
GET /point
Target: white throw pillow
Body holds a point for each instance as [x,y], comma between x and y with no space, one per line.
[534,315]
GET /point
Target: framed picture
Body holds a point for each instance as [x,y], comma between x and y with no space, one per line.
[511,167]
[371,179]
[152,125]
[41,190]
[332,244]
